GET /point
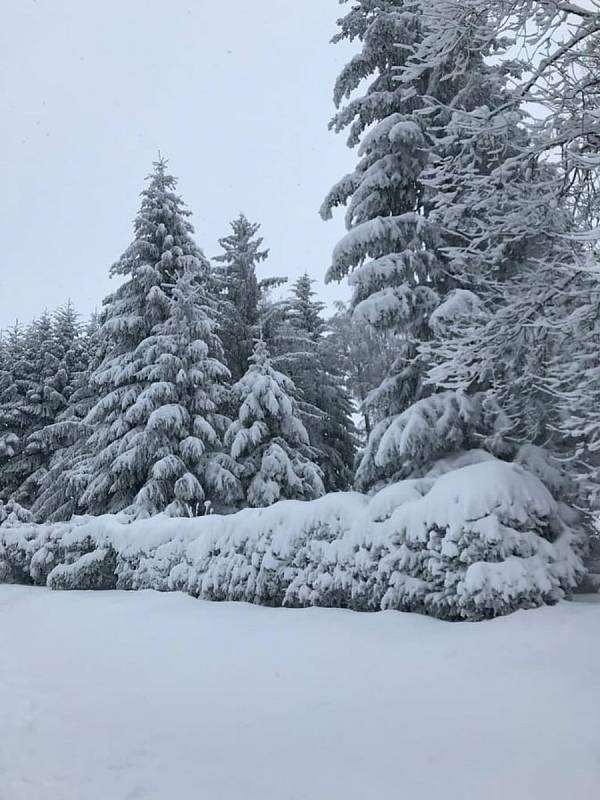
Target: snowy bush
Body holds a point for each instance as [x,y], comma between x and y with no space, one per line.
[12,513]
[485,539]
[473,539]
[94,570]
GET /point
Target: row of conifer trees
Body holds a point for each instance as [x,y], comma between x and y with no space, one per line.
[193,389]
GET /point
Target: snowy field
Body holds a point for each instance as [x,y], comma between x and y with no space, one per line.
[116,696]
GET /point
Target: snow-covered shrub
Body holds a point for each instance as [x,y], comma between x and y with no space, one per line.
[12,513]
[94,570]
[475,538]
[146,559]
[485,540]
[31,553]
[352,570]
[17,547]
[255,555]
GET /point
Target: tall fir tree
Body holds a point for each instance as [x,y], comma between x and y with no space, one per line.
[66,360]
[492,244]
[396,249]
[15,375]
[268,440]
[70,468]
[511,245]
[37,407]
[515,212]
[325,406]
[156,423]
[34,389]
[390,252]
[241,293]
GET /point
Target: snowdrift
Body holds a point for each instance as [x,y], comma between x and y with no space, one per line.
[473,543]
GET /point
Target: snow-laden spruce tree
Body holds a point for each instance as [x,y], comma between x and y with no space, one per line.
[512,241]
[34,388]
[66,359]
[268,440]
[557,314]
[43,401]
[395,251]
[324,404]
[390,251]
[156,424]
[517,215]
[177,415]
[241,294]
[486,238]
[70,467]
[20,412]
[13,384]
[245,308]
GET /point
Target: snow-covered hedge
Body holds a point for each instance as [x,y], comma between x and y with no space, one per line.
[474,542]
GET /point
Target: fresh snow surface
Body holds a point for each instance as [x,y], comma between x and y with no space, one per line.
[116,696]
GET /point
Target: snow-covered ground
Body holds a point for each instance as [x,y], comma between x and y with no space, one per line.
[115,696]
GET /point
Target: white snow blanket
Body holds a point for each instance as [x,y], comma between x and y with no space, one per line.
[139,695]
[474,542]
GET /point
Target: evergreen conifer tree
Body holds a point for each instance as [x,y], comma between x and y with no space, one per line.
[32,394]
[239,318]
[396,250]
[70,468]
[156,425]
[323,401]
[14,383]
[268,440]
[390,250]
[540,330]
[518,220]
[66,358]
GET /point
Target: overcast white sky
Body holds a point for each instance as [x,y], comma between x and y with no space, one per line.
[237,96]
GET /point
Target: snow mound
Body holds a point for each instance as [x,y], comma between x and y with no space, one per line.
[474,542]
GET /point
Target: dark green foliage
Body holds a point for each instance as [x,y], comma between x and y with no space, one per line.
[241,292]
[304,354]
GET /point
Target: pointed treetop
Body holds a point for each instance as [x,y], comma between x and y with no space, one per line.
[160,165]
[159,176]
[261,357]
[241,241]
